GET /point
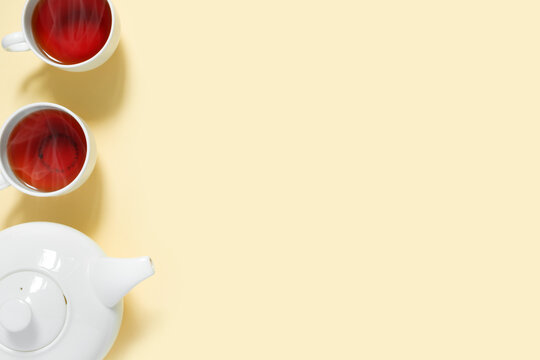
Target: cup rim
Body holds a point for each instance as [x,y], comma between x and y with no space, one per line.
[39,53]
[6,168]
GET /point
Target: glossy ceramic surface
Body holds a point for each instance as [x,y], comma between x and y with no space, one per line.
[66,281]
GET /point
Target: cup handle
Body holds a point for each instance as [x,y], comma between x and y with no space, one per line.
[15,42]
[3,182]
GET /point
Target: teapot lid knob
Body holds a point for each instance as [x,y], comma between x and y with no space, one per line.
[15,315]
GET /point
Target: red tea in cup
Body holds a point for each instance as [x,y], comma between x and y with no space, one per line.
[71,31]
[47,150]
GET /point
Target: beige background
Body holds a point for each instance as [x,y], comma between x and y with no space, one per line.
[313,179]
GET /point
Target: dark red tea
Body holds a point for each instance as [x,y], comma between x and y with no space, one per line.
[71,31]
[47,150]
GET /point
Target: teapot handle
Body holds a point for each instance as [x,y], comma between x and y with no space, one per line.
[3,182]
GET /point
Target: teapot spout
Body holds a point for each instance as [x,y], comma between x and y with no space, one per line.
[113,278]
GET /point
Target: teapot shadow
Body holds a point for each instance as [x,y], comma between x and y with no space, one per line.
[80,209]
[135,323]
[93,94]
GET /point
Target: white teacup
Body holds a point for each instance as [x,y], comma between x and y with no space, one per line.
[24,41]
[7,175]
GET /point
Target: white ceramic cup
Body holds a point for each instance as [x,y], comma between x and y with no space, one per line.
[7,177]
[24,41]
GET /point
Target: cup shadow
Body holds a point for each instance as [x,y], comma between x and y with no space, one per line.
[93,94]
[80,209]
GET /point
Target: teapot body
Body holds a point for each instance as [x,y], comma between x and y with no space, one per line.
[45,261]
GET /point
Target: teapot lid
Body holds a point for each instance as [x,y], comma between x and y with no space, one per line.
[32,311]
[48,306]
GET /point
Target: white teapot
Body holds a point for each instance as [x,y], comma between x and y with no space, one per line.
[60,296]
